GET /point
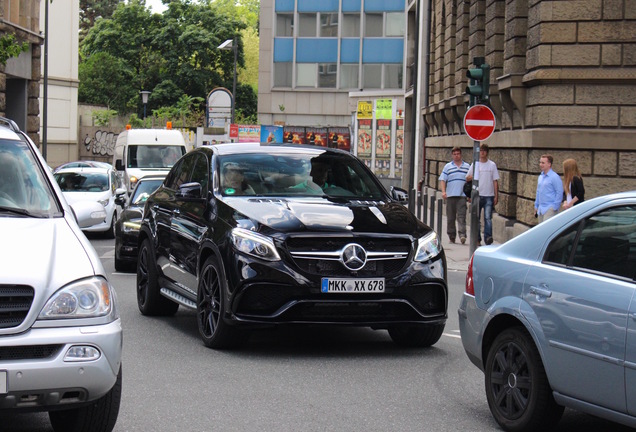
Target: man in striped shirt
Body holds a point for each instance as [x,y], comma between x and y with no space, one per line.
[452,182]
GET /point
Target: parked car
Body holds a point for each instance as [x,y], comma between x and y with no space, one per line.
[251,234]
[129,222]
[93,184]
[60,331]
[84,164]
[549,317]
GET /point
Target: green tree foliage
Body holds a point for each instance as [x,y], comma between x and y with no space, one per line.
[170,54]
[105,80]
[10,47]
[91,10]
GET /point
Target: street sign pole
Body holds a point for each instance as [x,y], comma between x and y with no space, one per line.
[474,202]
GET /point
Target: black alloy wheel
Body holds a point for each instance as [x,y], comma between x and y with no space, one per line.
[214,331]
[111,230]
[517,388]
[149,300]
[416,336]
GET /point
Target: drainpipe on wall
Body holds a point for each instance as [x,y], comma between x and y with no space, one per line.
[414,112]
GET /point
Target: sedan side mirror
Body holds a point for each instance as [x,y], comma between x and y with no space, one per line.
[399,194]
[189,192]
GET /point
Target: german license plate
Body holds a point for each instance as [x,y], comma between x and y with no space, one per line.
[335,285]
[3,382]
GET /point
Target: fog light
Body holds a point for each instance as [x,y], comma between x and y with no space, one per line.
[78,353]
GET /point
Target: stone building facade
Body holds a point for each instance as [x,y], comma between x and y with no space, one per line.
[20,77]
[563,82]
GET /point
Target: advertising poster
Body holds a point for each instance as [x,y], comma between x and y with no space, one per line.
[399,146]
[317,136]
[364,139]
[340,138]
[365,129]
[383,113]
[271,134]
[294,135]
[249,133]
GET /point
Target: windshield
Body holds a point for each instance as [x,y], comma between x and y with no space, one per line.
[299,174]
[154,156]
[22,182]
[82,181]
[143,190]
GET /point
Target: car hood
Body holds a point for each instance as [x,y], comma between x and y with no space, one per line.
[45,254]
[321,214]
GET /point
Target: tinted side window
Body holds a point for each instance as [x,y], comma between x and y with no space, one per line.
[561,247]
[607,242]
[181,172]
[200,173]
[173,175]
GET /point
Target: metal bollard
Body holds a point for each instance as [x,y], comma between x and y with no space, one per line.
[425,208]
[432,215]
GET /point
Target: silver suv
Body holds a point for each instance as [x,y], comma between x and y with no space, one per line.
[60,331]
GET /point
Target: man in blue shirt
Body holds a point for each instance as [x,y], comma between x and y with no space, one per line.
[452,182]
[549,190]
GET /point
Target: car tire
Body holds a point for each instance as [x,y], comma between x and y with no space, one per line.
[517,388]
[123,266]
[211,308]
[149,300]
[99,416]
[420,336]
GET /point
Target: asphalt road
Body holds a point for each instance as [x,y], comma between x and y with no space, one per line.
[294,379]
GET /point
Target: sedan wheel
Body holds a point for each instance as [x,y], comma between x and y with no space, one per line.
[214,331]
[111,230]
[149,300]
[421,336]
[517,388]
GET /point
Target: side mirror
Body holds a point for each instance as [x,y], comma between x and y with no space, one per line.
[189,192]
[88,213]
[399,194]
[119,165]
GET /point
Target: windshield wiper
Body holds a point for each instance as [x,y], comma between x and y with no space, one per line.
[16,210]
[336,199]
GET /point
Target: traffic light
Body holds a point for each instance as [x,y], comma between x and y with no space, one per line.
[478,87]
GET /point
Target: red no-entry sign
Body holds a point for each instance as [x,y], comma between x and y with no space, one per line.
[479,122]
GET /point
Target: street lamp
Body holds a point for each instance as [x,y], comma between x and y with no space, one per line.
[231,44]
[144,98]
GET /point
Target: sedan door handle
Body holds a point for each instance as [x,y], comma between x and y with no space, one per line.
[540,292]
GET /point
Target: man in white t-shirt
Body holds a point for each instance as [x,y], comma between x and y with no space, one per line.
[488,189]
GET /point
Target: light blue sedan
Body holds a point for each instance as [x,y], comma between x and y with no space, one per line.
[550,317]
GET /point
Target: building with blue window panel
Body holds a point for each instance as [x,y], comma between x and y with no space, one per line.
[318,58]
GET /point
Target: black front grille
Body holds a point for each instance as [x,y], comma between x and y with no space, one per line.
[30,352]
[15,302]
[334,268]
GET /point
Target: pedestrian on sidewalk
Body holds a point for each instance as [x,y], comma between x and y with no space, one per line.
[549,190]
[572,184]
[488,190]
[452,182]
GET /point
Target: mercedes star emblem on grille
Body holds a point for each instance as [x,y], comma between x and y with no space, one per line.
[354,257]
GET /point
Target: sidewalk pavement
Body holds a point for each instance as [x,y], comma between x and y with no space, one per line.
[457,254]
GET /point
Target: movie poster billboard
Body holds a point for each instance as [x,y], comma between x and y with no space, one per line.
[271,134]
[294,135]
[399,146]
[317,136]
[383,114]
[340,138]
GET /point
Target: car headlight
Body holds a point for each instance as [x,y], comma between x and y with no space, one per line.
[132,225]
[254,244]
[87,298]
[428,247]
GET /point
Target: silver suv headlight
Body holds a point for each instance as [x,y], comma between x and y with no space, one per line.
[428,247]
[254,244]
[87,298]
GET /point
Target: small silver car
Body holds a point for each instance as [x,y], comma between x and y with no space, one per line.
[550,317]
[60,331]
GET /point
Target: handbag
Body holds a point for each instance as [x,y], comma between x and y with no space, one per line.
[468,187]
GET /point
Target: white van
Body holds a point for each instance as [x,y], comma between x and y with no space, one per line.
[142,152]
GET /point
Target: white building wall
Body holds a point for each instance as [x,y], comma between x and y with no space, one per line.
[63,59]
